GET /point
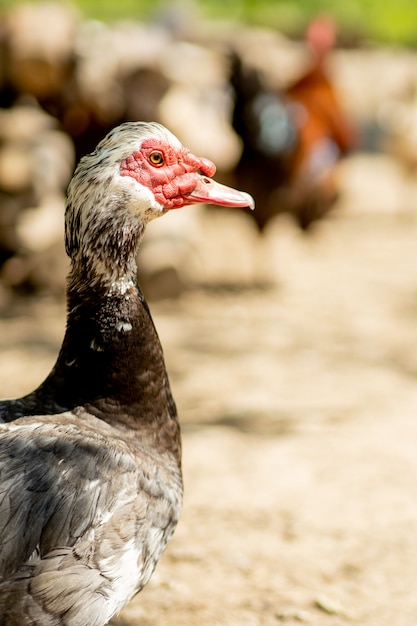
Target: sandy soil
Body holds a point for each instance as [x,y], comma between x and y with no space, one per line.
[299,412]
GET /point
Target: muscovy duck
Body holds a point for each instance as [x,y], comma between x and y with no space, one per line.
[90,462]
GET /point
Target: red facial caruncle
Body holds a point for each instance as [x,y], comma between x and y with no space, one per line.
[177,178]
[168,171]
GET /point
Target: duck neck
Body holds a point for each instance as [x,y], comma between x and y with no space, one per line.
[111,360]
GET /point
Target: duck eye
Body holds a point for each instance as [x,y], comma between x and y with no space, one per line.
[156,158]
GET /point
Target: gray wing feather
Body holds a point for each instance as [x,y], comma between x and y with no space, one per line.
[78,510]
[52,490]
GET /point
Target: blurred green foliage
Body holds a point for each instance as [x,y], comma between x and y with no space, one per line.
[391,21]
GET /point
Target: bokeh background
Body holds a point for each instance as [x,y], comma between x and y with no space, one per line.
[289,334]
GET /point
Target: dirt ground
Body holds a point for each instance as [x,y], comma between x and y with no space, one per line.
[299,410]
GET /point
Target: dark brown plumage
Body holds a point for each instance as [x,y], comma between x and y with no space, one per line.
[90,462]
[293,139]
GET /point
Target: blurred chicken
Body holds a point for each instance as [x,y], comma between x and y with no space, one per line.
[294,139]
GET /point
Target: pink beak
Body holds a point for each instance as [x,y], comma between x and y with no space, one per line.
[211,192]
